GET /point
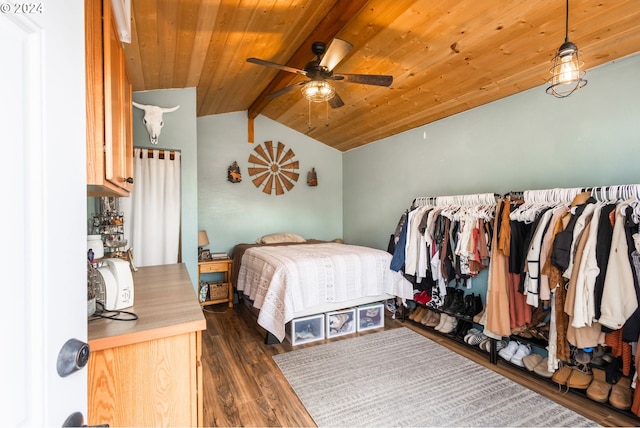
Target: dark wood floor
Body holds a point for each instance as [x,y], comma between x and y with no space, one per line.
[244,387]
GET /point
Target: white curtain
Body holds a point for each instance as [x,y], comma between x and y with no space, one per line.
[153,210]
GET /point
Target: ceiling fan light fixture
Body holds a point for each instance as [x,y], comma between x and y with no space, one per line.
[566,74]
[318,91]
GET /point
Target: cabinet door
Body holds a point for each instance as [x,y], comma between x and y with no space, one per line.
[117,99]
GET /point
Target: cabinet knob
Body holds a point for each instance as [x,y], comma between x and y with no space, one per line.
[129,180]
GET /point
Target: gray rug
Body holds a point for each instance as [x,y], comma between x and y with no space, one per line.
[401,378]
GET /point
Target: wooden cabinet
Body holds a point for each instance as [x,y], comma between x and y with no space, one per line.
[149,372]
[217,266]
[109,107]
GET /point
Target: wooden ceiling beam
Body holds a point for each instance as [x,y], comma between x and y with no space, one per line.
[334,21]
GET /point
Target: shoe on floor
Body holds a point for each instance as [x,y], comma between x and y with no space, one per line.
[477,339]
[443,319]
[561,375]
[508,351]
[522,351]
[418,312]
[485,345]
[579,379]
[621,395]
[429,317]
[542,369]
[434,321]
[450,324]
[471,332]
[531,361]
[599,389]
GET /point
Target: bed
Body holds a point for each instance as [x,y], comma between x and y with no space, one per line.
[288,280]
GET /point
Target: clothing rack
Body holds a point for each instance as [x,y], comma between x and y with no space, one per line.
[565,195]
[458,200]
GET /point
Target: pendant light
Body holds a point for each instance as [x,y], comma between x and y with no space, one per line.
[566,74]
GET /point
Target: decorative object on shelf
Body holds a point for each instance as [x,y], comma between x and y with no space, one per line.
[567,76]
[153,119]
[203,241]
[312,177]
[233,173]
[108,223]
[274,168]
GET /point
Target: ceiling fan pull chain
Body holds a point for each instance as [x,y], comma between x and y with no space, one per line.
[327,106]
[309,122]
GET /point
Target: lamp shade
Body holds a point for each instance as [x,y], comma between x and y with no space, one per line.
[203,239]
[318,91]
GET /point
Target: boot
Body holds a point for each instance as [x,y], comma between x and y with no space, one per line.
[468,303]
[443,320]
[448,298]
[433,321]
[476,307]
[418,312]
[458,302]
[449,325]
[428,317]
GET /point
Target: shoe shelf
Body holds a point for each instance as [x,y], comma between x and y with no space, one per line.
[464,323]
[455,331]
[580,391]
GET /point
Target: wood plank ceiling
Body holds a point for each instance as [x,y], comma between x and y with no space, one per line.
[446,56]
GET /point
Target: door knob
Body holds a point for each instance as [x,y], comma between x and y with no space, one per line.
[73,356]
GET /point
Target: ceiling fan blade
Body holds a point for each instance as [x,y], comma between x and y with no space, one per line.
[336,101]
[335,53]
[366,79]
[285,90]
[276,65]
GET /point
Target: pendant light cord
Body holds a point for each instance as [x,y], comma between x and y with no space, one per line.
[566,24]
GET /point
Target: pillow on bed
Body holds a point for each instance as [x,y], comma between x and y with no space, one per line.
[276,238]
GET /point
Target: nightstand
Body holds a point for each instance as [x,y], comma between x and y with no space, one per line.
[220,266]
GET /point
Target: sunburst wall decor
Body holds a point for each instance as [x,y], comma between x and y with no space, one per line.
[274,168]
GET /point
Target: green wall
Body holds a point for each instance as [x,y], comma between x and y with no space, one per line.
[530,140]
[179,133]
[232,213]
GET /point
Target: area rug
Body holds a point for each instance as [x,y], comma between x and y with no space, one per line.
[400,378]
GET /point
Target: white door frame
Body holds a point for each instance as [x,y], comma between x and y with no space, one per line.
[44,210]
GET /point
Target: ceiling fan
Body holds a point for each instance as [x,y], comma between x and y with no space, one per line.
[320,70]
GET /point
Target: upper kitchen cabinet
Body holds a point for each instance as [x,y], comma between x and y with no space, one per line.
[109,107]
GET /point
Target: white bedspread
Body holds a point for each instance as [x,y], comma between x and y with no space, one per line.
[283,280]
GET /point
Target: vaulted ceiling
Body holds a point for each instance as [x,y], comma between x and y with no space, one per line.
[445,56]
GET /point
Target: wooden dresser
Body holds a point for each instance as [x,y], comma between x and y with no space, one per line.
[148,372]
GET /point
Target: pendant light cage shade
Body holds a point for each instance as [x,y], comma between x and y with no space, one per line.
[567,75]
[318,91]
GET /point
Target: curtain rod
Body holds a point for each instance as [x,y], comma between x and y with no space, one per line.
[161,153]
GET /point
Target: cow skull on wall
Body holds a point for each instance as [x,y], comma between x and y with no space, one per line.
[153,119]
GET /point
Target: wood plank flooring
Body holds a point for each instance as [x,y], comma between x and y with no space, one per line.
[244,387]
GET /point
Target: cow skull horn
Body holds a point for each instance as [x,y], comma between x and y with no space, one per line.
[153,119]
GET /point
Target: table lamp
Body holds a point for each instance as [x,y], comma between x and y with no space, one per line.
[203,240]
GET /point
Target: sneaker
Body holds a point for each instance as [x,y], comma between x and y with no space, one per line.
[471,332]
[477,339]
[521,352]
[508,351]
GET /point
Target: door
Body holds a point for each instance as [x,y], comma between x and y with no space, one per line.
[43,212]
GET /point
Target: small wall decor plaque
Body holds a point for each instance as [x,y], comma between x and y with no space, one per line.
[312,177]
[233,173]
